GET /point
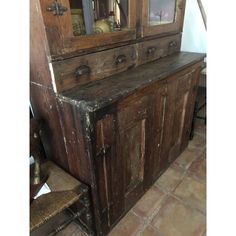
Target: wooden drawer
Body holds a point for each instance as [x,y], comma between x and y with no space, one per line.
[94,66]
[154,49]
[131,111]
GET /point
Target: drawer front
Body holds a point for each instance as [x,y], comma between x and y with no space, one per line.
[161,47]
[94,66]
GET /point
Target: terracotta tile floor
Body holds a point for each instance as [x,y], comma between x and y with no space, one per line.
[175,205]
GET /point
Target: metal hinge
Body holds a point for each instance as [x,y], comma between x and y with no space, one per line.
[56,8]
[103,151]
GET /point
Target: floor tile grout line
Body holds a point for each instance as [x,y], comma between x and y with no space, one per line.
[155,229]
[168,194]
[180,181]
[186,204]
[152,227]
[195,177]
[150,217]
[155,213]
[173,194]
[175,163]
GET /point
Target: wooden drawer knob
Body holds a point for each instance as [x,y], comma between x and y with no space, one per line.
[173,44]
[82,70]
[121,59]
[151,50]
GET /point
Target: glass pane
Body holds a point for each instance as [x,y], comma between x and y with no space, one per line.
[98,16]
[161,12]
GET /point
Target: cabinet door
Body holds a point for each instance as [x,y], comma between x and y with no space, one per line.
[122,144]
[105,162]
[158,124]
[77,25]
[181,105]
[162,16]
[134,142]
[190,108]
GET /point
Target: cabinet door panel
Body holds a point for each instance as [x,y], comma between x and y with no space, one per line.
[104,149]
[133,128]
[120,157]
[181,104]
[190,108]
[159,107]
[162,17]
[133,152]
[134,140]
[86,24]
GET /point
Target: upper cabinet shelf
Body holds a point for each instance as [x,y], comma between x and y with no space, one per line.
[162,17]
[79,25]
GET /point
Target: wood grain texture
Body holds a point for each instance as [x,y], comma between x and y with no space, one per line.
[109,90]
[39,69]
[44,106]
[62,41]
[78,163]
[100,65]
[104,64]
[138,128]
[154,49]
[120,126]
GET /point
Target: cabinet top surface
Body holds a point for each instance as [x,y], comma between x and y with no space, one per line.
[101,93]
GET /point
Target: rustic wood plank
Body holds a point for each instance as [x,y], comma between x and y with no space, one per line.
[39,69]
[98,65]
[109,90]
[154,49]
[44,106]
[74,141]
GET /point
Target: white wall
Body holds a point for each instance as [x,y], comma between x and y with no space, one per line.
[194,33]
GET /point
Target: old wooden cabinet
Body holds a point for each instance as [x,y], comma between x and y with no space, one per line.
[118,105]
[132,129]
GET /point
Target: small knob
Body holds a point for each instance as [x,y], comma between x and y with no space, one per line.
[151,50]
[121,59]
[82,70]
[173,44]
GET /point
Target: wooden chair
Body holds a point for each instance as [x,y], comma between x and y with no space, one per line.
[66,191]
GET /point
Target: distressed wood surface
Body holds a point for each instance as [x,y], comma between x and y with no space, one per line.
[72,130]
[107,91]
[44,106]
[137,126]
[120,133]
[153,49]
[62,41]
[63,44]
[103,64]
[100,65]
[39,51]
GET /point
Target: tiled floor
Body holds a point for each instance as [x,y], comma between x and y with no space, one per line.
[175,205]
